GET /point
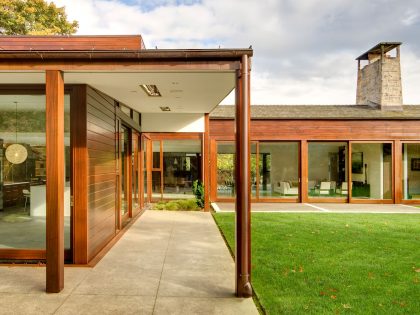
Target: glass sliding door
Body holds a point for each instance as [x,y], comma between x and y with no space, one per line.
[278,170]
[23,171]
[327,170]
[135,173]
[411,171]
[371,171]
[125,158]
[225,170]
[157,192]
[181,167]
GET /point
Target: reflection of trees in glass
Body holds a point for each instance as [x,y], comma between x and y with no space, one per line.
[226,168]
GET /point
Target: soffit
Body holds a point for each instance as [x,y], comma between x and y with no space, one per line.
[182,91]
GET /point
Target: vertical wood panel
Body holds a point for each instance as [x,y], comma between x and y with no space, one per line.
[206,162]
[78,134]
[304,171]
[55,180]
[397,171]
[213,170]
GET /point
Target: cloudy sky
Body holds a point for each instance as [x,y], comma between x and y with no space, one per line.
[304,50]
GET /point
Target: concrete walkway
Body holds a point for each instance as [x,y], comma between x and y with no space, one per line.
[321,207]
[166,263]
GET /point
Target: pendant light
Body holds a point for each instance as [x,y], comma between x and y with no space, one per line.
[16,153]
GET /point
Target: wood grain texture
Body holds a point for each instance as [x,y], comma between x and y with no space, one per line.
[206,162]
[55,184]
[321,129]
[63,43]
[79,163]
[102,173]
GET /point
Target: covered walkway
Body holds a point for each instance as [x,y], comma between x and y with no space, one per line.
[166,263]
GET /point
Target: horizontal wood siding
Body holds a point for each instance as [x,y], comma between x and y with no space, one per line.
[321,129]
[113,43]
[102,170]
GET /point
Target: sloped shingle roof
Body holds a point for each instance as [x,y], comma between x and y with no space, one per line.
[319,112]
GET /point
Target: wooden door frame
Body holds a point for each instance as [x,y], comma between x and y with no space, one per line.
[400,169]
[306,165]
[393,170]
[161,137]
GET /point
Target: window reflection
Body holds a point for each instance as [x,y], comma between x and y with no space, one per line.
[23,171]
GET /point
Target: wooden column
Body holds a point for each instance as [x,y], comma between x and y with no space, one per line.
[397,171]
[242,181]
[55,180]
[206,162]
[304,171]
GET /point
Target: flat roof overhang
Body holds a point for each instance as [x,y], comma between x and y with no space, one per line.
[190,80]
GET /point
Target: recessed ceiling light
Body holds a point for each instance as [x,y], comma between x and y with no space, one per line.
[176,91]
[165,109]
[151,90]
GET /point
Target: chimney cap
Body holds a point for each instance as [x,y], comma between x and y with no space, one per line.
[377,49]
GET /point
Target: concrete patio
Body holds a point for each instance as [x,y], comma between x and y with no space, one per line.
[166,263]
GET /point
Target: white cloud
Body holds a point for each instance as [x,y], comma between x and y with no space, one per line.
[304,50]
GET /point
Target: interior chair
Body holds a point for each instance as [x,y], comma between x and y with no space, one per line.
[27,195]
[344,190]
[285,189]
[325,187]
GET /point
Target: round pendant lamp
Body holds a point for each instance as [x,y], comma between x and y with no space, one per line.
[16,153]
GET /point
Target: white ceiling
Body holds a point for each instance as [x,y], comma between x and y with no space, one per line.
[183,92]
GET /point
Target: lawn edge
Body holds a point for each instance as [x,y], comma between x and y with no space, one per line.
[255,296]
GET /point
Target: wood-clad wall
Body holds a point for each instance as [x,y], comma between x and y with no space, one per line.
[102,170]
[321,129]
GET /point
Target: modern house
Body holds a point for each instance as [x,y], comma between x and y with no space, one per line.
[92,128]
[363,153]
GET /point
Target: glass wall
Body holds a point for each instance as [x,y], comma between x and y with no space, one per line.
[411,171]
[135,171]
[23,171]
[181,167]
[327,170]
[225,169]
[125,158]
[371,170]
[156,171]
[278,169]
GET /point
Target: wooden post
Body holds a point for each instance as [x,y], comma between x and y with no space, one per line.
[242,181]
[304,171]
[206,162]
[397,171]
[55,180]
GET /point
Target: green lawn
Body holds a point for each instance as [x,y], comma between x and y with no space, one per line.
[328,263]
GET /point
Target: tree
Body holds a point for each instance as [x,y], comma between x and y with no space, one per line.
[34,17]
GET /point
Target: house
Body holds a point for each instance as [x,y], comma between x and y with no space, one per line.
[363,153]
[92,128]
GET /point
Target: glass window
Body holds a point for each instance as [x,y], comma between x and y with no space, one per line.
[126,110]
[225,169]
[23,171]
[279,169]
[371,170]
[327,170]
[411,170]
[253,169]
[135,172]
[156,154]
[181,167]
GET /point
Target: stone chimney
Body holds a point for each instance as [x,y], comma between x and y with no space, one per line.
[379,81]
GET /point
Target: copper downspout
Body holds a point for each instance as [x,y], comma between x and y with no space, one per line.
[243,191]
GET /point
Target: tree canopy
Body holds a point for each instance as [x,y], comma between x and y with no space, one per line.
[34,17]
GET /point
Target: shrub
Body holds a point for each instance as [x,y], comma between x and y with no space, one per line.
[198,190]
[173,205]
